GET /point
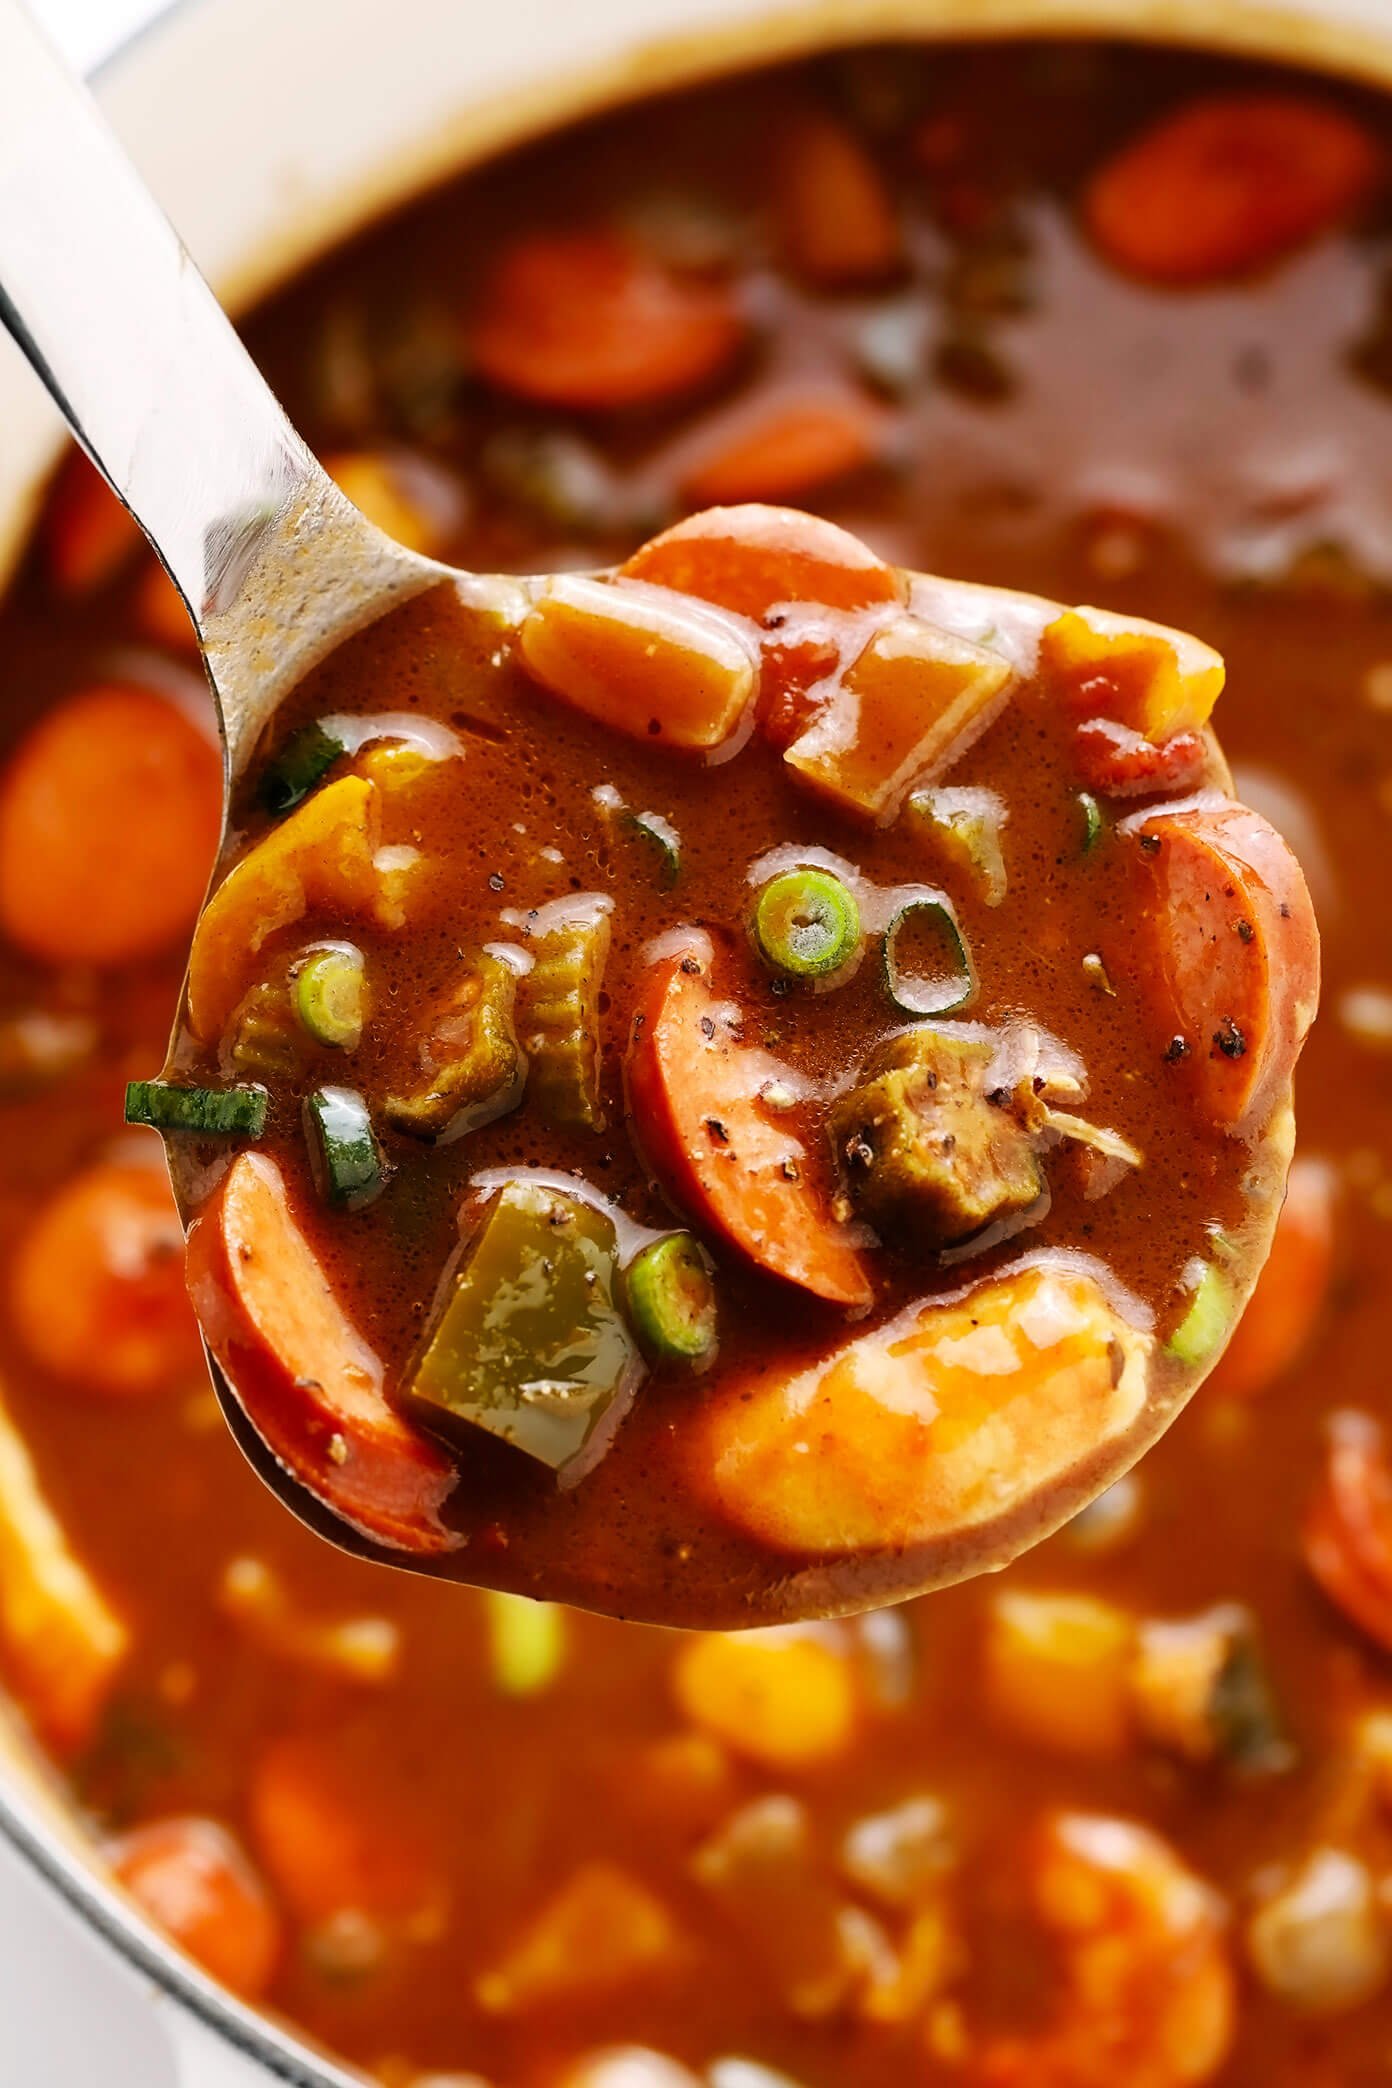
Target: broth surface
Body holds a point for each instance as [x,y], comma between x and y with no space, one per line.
[1214,457]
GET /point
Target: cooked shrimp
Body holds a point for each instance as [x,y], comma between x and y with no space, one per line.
[1145,1987]
[934,1423]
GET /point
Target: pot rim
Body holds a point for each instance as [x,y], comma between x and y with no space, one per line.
[1342,37]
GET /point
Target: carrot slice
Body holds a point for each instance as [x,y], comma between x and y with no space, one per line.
[88,536]
[97,1286]
[737,1166]
[1230,184]
[755,559]
[109,817]
[305,1378]
[195,1883]
[1347,1538]
[330,1845]
[62,1642]
[671,672]
[835,209]
[589,320]
[1235,979]
[785,447]
[1292,1290]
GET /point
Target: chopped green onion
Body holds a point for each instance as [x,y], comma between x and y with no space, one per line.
[330,997]
[671,1300]
[662,836]
[1094,820]
[238,1112]
[347,1159]
[1204,1327]
[303,761]
[526,1642]
[807,924]
[948,980]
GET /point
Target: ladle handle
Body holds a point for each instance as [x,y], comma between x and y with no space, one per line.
[148,371]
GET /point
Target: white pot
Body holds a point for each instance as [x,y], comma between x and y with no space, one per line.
[272,127]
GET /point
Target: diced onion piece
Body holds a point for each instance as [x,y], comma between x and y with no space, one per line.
[1320,1942]
[913,702]
[665,669]
[616,2066]
[1110,1144]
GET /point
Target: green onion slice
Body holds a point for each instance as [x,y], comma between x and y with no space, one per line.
[1094,820]
[347,1160]
[330,997]
[662,837]
[238,1112]
[807,924]
[303,761]
[946,978]
[671,1300]
[1204,1327]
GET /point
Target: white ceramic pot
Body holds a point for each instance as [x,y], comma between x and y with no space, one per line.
[272,127]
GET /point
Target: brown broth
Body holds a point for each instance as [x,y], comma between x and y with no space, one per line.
[1186,457]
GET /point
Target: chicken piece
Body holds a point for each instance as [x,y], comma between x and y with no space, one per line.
[925,1150]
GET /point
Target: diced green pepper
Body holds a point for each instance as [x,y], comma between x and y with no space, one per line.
[474,1071]
[347,1160]
[303,761]
[210,1112]
[1204,1327]
[531,1345]
[330,996]
[558,1013]
[672,1300]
